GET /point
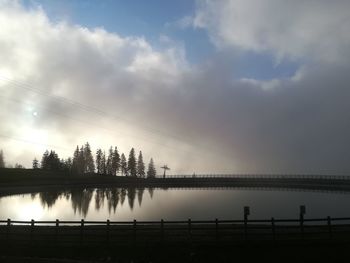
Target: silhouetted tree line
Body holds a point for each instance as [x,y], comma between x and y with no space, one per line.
[111,163]
[51,161]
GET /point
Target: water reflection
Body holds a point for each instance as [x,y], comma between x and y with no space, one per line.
[80,199]
[171,204]
[139,195]
[49,198]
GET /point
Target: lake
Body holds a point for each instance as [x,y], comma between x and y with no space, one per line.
[120,204]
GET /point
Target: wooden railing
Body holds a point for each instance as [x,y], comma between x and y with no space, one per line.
[124,232]
[260,176]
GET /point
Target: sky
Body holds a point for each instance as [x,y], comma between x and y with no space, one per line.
[229,86]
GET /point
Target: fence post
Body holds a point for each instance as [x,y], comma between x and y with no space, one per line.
[108,231]
[301,219]
[56,229]
[134,230]
[246,213]
[8,229]
[273,229]
[189,229]
[81,231]
[329,223]
[216,229]
[31,229]
[162,229]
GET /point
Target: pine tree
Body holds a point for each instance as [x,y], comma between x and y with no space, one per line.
[2,161]
[35,164]
[88,159]
[54,162]
[75,165]
[140,166]
[123,165]
[109,167]
[132,163]
[103,164]
[44,161]
[151,173]
[81,161]
[115,162]
[50,161]
[99,154]
[67,164]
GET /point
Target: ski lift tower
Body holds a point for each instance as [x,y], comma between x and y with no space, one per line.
[165,167]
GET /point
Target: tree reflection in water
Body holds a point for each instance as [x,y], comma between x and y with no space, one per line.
[122,196]
[81,198]
[49,198]
[99,198]
[151,191]
[112,199]
[131,197]
[33,195]
[139,195]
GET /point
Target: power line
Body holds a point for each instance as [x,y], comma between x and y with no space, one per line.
[25,86]
[21,84]
[92,125]
[58,113]
[36,143]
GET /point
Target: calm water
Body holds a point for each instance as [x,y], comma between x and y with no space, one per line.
[170,204]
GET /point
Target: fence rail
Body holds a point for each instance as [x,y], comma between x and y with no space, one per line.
[63,233]
[261,176]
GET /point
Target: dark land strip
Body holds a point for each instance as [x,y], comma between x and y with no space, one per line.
[17,181]
[177,241]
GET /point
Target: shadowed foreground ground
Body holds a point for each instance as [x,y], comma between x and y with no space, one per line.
[175,244]
[248,252]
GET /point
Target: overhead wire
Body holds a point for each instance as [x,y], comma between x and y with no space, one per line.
[92,125]
[35,143]
[93,109]
[96,111]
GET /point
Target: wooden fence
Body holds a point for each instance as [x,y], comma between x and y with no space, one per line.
[92,233]
[261,176]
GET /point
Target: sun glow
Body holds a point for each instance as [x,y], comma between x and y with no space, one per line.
[30,211]
[35,135]
[6,76]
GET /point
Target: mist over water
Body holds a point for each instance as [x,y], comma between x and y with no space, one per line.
[120,204]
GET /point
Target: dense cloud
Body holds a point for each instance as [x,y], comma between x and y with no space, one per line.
[194,117]
[292,29]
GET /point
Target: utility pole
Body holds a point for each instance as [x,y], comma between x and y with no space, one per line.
[165,167]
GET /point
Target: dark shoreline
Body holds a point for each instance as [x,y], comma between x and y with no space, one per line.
[20,181]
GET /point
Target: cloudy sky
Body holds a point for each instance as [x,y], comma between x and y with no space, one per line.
[240,86]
